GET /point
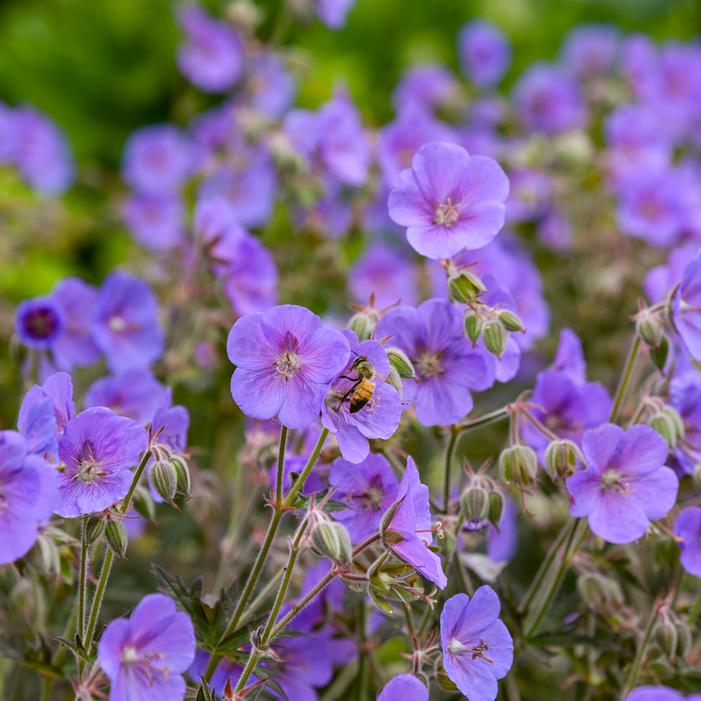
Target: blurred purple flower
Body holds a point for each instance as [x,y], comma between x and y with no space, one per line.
[569,357]
[447,368]
[591,50]
[97,451]
[529,195]
[685,397]
[39,322]
[157,159]
[411,527]
[366,490]
[548,100]
[227,670]
[213,54]
[269,87]
[484,52]
[686,307]
[156,221]
[428,86]
[333,12]
[503,542]
[477,646]
[625,483]
[687,527]
[125,324]
[404,687]
[659,693]
[285,360]
[145,655]
[29,493]
[449,200]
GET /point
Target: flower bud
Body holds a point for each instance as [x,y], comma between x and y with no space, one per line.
[697,475]
[667,637]
[676,420]
[464,286]
[164,479]
[387,517]
[182,474]
[495,508]
[597,590]
[519,464]
[658,354]
[330,539]
[650,328]
[394,380]
[116,536]
[561,459]
[684,638]
[445,682]
[473,326]
[474,504]
[494,335]
[364,324]
[511,321]
[399,360]
[665,426]
[94,528]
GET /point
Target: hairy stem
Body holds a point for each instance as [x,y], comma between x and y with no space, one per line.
[280,465]
[82,578]
[449,453]
[625,378]
[632,677]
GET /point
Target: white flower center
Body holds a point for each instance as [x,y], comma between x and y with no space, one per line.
[288,364]
[446,214]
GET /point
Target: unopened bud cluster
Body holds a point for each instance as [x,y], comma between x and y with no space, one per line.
[170,476]
[481,502]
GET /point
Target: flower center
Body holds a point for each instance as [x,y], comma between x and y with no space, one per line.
[613,481]
[117,324]
[148,664]
[88,465]
[374,496]
[429,364]
[41,323]
[288,364]
[446,214]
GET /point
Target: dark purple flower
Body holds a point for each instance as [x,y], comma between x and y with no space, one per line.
[625,483]
[134,393]
[145,655]
[386,273]
[366,490]
[125,325]
[39,322]
[285,360]
[157,159]
[687,527]
[411,527]
[548,100]
[446,365]
[428,86]
[333,12]
[449,200]
[590,49]
[484,52]
[156,221]
[686,311]
[213,54]
[28,495]
[477,646]
[75,346]
[378,417]
[97,451]
[404,687]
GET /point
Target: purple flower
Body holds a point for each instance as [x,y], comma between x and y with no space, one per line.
[686,309]
[378,417]
[213,54]
[404,687]
[39,322]
[333,12]
[27,496]
[548,100]
[366,490]
[97,451]
[685,397]
[590,49]
[385,273]
[449,200]
[528,196]
[569,356]
[134,393]
[125,325]
[227,670]
[484,52]
[625,483]
[687,527]
[285,360]
[145,655]
[428,86]
[75,346]
[477,647]
[447,367]
[411,528]
[269,88]
[659,693]
[156,221]
[503,542]
[157,159]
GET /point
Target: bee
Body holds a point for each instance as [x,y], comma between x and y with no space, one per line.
[363,388]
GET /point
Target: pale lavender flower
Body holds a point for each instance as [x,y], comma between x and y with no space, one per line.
[428,85]
[449,200]
[484,52]
[144,656]
[333,12]
[625,483]
[97,451]
[477,646]
[659,693]
[39,322]
[687,527]
[156,221]
[404,687]
[590,50]
[269,87]
[285,361]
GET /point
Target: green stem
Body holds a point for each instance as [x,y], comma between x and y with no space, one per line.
[483,420]
[45,694]
[260,597]
[625,378]
[280,465]
[449,452]
[364,662]
[83,578]
[632,677]
[299,483]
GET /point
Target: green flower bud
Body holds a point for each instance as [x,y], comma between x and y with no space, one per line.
[164,479]
[473,326]
[659,353]
[182,473]
[330,539]
[650,328]
[665,426]
[474,503]
[394,380]
[464,286]
[697,475]
[685,639]
[597,590]
[676,420]
[494,335]
[364,324]
[116,536]
[561,459]
[445,682]
[518,464]
[399,360]
[496,507]
[511,321]
[94,528]
[667,637]
[388,516]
